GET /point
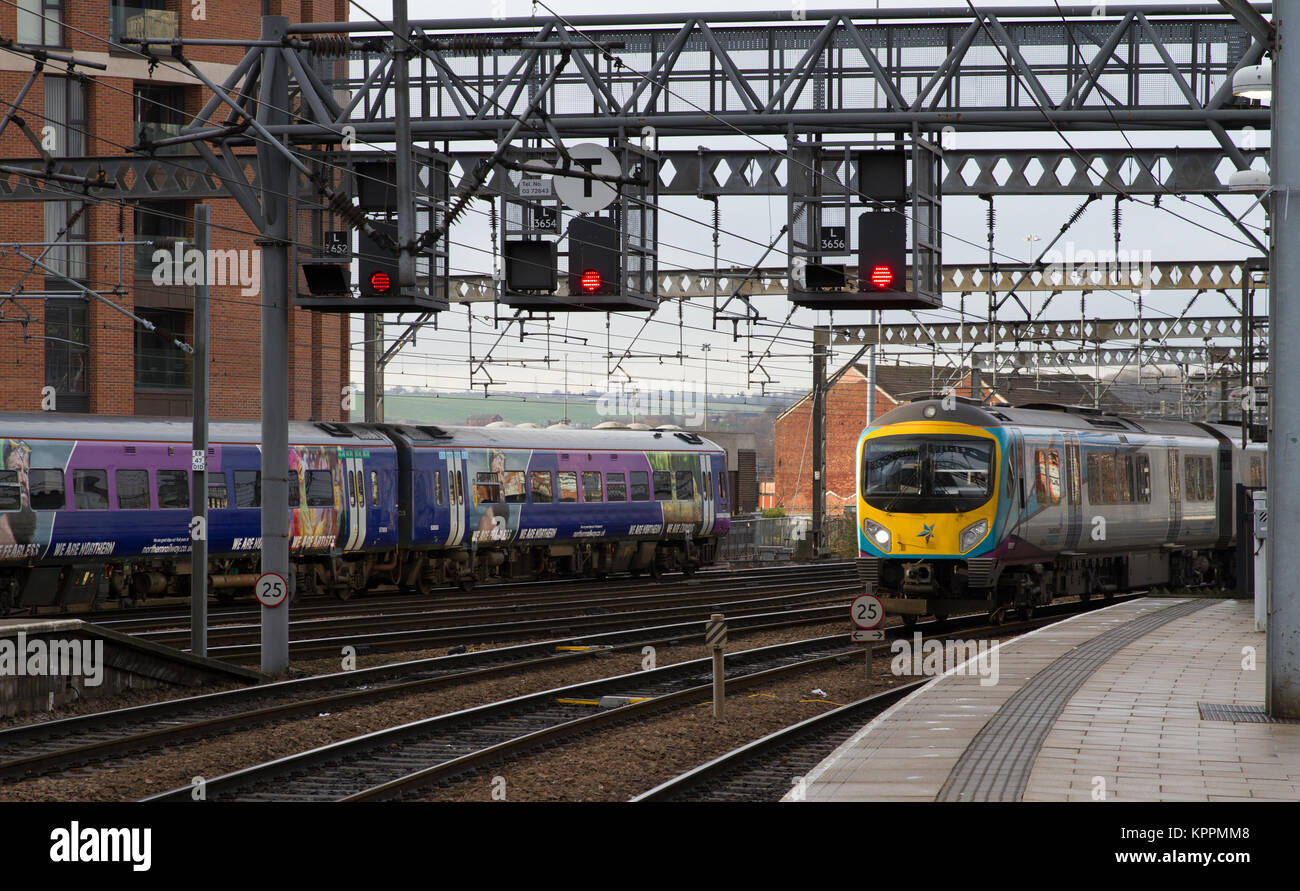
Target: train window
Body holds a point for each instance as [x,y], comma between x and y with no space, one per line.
[540,480]
[437,487]
[1256,470]
[722,485]
[640,485]
[568,485]
[295,493]
[248,488]
[663,485]
[218,494]
[460,488]
[352,487]
[707,488]
[374,489]
[1047,483]
[1198,471]
[1124,478]
[1101,478]
[1074,474]
[615,488]
[173,489]
[320,488]
[1143,479]
[133,489]
[685,485]
[591,488]
[11,496]
[488,489]
[46,484]
[512,486]
[90,487]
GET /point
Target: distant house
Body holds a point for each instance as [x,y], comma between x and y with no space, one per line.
[846,415]
[482,420]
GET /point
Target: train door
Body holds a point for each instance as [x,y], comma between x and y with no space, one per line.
[1015,481]
[455,498]
[354,504]
[707,504]
[1175,498]
[1073,493]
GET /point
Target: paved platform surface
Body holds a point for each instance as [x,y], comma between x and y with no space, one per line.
[1109,703]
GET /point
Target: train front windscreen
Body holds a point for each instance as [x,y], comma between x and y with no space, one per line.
[928,474]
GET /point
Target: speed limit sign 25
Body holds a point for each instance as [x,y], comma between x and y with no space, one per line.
[271,589]
[867,611]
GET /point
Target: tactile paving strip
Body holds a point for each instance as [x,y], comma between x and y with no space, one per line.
[997,763]
[1240,714]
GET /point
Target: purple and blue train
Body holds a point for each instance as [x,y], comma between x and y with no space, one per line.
[96,507]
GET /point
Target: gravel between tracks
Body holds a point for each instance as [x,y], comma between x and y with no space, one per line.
[159,771]
[622,762]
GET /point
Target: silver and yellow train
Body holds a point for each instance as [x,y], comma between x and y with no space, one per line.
[963,506]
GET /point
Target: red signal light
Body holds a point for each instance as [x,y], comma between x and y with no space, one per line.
[881,276]
[590,281]
[380,282]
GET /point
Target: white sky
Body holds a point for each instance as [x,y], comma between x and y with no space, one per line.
[441,359]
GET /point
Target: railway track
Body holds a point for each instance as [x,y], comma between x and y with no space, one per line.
[400,761]
[390,762]
[765,769]
[313,640]
[175,613]
[42,748]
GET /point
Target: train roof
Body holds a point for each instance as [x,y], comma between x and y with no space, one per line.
[1048,415]
[576,440]
[65,425]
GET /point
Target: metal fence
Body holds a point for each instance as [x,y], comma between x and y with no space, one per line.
[765,539]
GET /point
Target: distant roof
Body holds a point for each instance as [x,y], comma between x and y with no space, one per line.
[907,382]
[1063,389]
[904,383]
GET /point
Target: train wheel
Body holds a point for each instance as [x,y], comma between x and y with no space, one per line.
[688,569]
[941,617]
[635,573]
[466,584]
[1026,611]
[996,617]
[909,621]
[656,571]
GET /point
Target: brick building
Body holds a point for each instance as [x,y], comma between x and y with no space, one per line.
[95,358]
[846,416]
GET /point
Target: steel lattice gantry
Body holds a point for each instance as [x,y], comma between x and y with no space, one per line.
[1138,66]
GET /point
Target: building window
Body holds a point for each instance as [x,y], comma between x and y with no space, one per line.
[65,111]
[159,363]
[163,224]
[159,114]
[136,19]
[67,348]
[40,22]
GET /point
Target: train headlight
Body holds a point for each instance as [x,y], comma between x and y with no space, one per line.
[877,533]
[972,535]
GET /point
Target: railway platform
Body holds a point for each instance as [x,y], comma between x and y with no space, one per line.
[1156,699]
